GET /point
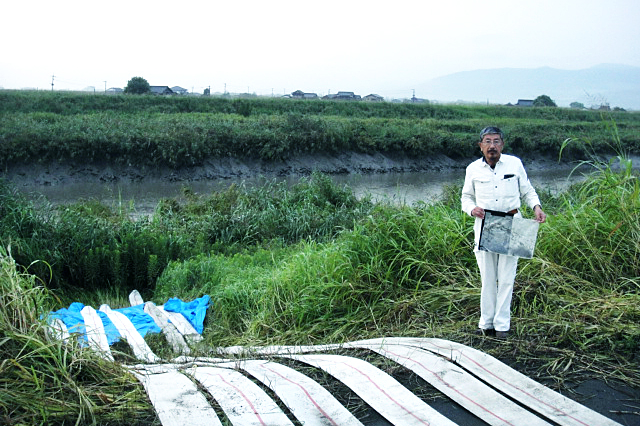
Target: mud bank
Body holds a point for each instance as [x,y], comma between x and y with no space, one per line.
[227,168]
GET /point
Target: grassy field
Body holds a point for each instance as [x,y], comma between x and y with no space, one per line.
[311,264]
[41,127]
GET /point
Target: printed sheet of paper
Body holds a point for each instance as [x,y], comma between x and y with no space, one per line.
[505,234]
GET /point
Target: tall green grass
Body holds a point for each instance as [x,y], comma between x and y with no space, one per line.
[410,271]
[151,131]
[383,270]
[90,246]
[87,246]
[46,381]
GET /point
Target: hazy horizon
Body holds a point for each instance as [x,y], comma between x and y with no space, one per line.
[281,46]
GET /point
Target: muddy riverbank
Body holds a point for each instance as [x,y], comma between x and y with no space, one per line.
[53,174]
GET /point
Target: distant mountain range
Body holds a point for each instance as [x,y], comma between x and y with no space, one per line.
[615,85]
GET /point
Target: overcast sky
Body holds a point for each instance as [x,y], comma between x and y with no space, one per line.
[278,46]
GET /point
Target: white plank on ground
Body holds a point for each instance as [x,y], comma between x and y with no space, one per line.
[378,389]
[311,403]
[276,350]
[125,327]
[135,298]
[537,397]
[169,330]
[243,402]
[184,327]
[182,359]
[462,387]
[177,400]
[59,329]
[95,332]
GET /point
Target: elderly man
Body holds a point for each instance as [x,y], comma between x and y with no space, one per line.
[496,182]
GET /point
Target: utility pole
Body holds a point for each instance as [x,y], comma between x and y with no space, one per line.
[105,86]
[52,77]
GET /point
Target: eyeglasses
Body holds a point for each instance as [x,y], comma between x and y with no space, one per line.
[493,142]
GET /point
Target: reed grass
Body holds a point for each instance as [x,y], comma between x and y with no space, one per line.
[46,381]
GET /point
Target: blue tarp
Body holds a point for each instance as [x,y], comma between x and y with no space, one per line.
[193,311]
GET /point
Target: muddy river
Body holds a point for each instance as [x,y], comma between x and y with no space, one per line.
[407,188]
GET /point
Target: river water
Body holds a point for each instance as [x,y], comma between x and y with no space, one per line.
[400,188]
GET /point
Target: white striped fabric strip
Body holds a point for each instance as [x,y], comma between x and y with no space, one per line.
[135,298]
[95,332]
[172,334]
[311,403]
[177,400]
[537,397]
[378,389]
[244,402]
[184,327]
[59,330]
[125,327]
[460,386]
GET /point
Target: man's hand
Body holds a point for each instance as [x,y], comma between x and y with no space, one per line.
[540,215]
[478,212]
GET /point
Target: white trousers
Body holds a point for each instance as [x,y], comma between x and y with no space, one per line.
[498,273]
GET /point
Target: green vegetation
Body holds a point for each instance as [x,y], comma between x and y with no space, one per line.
[44,380]
[137,86]
[88,246]
[311,263]
[40,127]
[544,101]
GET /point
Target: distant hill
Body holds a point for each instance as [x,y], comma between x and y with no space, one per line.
[616,85]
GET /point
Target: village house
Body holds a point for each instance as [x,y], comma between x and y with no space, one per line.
[373,98]
[179,90]
[299,94]
[525,102]
[161,90]
[343,96]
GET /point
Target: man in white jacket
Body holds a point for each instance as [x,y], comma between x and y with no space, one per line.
[496,182]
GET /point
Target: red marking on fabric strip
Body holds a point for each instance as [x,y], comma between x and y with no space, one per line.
[387,395]
[253,408]
[450,387]
[515,387]
[305,392]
